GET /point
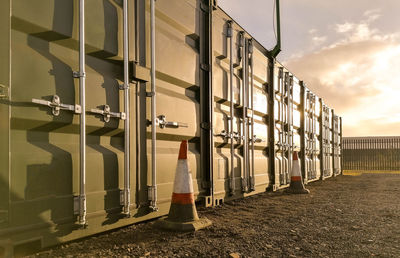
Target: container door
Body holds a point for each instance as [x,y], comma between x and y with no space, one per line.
[336,146]
[240,106]
[230,102]
[312,164]
[177,99]
[45,124]
[326,141]
[259,129]
[284,130]
[294,118]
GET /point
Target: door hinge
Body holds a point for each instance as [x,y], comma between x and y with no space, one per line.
[3,92]
[205,125]
[205,67]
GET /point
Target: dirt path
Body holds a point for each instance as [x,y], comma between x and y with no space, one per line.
[342,217]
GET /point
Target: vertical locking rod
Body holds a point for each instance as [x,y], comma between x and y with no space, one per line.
[82,99]
[282,121]
[126,193]
[322,138]
[252,178]
[272,121]
[248,118]
[288,124]
[245,77]
[314,142]
[153,188]
[229,35]
[242,40]
[303,122]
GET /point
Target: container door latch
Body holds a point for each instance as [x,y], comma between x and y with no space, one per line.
[162,122]
[107,114]
[56,105]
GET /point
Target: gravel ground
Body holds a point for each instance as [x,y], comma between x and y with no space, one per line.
[346,216]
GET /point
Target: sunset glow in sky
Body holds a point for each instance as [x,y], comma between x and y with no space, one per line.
[348,52]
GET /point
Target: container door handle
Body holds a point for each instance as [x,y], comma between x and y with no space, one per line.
[257,140]
[107,114]
[56,105]
[162,122]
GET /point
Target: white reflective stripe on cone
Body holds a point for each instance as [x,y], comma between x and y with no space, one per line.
[183,178]
[296,168]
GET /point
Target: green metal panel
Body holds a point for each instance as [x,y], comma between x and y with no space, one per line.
[4,110]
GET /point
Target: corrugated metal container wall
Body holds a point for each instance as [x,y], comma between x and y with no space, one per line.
[242,112]
[371,153]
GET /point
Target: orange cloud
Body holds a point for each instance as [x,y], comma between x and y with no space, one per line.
[329,71]
[358,77]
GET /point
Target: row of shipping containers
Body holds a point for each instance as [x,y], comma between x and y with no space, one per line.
[371,153]
[242,112]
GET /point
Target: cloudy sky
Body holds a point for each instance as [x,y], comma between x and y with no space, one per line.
[348,52]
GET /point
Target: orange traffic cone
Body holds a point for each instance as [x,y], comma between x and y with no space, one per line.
[296,182]
[182,213]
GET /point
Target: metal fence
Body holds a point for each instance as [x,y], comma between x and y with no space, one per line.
[371,153]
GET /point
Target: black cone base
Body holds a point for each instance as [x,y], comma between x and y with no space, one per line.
[195,225]
[182,212]
[183,217]
[297,191]
[297,187]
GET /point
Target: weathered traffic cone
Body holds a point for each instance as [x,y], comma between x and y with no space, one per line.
[182,213]
[296,182]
